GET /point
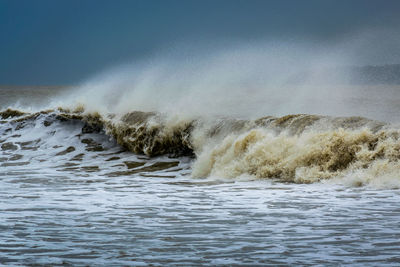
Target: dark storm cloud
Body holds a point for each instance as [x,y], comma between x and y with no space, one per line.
[62,42]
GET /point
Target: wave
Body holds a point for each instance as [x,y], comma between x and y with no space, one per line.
[297,148]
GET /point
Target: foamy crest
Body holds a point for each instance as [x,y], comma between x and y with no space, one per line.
[353,157]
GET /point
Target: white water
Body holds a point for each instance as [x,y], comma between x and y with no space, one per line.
[138,221]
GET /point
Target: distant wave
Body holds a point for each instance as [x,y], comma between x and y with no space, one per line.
[297,148]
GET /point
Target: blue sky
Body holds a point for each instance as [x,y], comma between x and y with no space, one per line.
[65,41]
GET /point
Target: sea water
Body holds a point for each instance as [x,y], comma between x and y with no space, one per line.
[234,192]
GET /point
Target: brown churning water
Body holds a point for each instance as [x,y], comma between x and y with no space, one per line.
[295,148]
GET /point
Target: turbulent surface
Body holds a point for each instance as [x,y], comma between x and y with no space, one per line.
[84,218]
[295,148]
[72,193]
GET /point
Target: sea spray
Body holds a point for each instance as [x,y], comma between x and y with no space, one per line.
[245,110]
[239,80]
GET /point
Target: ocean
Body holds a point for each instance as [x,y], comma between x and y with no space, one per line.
[81,184]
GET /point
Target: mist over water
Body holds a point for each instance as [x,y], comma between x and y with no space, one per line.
[243,81]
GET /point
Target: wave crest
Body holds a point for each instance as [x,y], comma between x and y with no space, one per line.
[297,148]
[148,133]
[304,158]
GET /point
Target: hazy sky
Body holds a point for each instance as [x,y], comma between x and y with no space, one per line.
[65,41]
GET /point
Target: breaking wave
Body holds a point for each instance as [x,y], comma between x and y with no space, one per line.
[296,148]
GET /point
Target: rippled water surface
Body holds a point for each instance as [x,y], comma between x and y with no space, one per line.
[52,216]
